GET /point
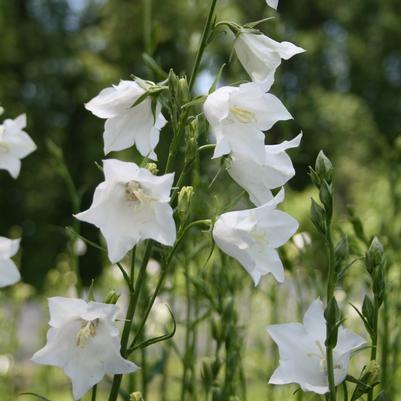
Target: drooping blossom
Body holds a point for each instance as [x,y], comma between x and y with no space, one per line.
[252,236]
[238,115]
[258,179]
[9,273]
[303,353]
[15,144]
[84,341]
[131,205]
[272,3]
[127,125]
[261,55]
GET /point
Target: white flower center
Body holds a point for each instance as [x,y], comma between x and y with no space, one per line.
[135,193]
[242,115]
[86,331]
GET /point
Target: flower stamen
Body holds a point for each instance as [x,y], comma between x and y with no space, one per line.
[242,115]
[87,330]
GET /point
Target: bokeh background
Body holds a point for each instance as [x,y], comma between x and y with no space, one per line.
[344,94]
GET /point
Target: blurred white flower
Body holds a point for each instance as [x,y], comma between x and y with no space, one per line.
[272,3]
[238,115]
[131,205]
[302,240]
[252,236]
[153,267]
[84,341]
[258,179]
[79,247]
[126,125]
[9,273]
[260,55]
[303,353]
[15,144]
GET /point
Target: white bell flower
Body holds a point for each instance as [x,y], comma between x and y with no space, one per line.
[15,144]
[126,125]
[131,205]
[303,353]
[258,179]
[238,115]
[261,55]
[84,341]
[252,236]
[272,3]
[9,273]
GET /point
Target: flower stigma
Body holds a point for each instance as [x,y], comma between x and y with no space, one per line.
[87,330]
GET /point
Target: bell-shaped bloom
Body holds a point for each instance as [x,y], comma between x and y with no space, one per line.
[238,115]
[9,273]
[84,341]
[126,125]
[258,179]
[260,55]
[252,236]
[131,205]
[15,144]
[272,3]
[303,353]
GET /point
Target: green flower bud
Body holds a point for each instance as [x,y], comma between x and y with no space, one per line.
[136,396]
[332,316]
[112,297]
[374,256]
[318,216]
[324,168]
[341,252]
[191,140]
[184,90]
[184,203]
[152,167]
[374,371]
[217,332]
[326,197]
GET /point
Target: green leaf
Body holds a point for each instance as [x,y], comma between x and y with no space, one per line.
[217,79]
[35,395]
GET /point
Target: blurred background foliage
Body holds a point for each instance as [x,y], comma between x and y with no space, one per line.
[344,94]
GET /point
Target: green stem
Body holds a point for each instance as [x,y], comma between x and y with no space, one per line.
[187,362]
[133,302]
[373,351]
[161,281]
[94,391]
[331,284]
[203,44]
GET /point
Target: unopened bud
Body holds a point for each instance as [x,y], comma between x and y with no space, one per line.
[1,110]
[332,316]
[318,216]
[136,396]
[326,197]
[184,203]
[324,168]
[112,297]
[374,371]
[184,90]
[374,256]
[152,167]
